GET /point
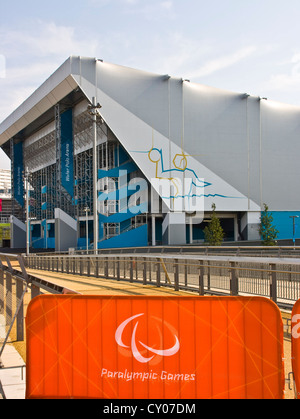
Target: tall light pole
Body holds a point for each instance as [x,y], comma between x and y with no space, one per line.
[86,209]
[93,110]
[294,227]
[27,212]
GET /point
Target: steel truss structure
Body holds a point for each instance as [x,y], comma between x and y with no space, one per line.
[83,159]
[43,196]
[42,158]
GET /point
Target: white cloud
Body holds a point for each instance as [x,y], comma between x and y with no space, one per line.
[151,11]
[4,161]
[186,57]
[223,62]
[2,67]
[167,5]
[52,39]
[289,80]
[176,55]
[31,58]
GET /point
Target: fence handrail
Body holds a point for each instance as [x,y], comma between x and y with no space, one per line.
[23,280]
[276,278]
[240,259]
[258,251]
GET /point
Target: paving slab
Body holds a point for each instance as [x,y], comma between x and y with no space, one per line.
[13,374]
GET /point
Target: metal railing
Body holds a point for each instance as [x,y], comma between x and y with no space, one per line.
[274,278]
[15,285]
[254,251]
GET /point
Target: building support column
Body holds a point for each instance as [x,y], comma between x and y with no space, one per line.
[153,231]
[191,230]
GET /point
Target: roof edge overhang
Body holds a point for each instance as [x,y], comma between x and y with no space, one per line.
[60,84]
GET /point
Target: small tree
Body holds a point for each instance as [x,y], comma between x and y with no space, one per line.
[267,231]
[214,233]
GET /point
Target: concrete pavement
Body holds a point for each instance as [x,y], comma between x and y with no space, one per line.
[13,375]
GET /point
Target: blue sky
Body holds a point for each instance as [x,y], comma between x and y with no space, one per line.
[238,45]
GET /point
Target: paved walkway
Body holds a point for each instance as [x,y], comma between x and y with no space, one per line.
[13,375]
[99,286]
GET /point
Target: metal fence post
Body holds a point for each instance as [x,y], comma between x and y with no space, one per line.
[106,268]
[201,279]
[273,283]
[176,275]
[88,267]
[20,315]
[8,298]
[144,271]
[96,273]
[131,269]
[35,291]
[125,269]
[234,282]
[158,273]
[136,270]
[208,275]
[118,269]
[1,290]
[74,266]
[80,267]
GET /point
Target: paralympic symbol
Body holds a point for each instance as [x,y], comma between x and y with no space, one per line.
[135,351]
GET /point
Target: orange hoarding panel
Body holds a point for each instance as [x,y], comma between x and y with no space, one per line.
[296,346]
[154,348]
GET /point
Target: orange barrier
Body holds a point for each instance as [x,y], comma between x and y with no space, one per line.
[296,346]
[154,348]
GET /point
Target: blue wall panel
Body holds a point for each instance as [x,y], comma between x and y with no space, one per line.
[38,243]
[67,152]
[18,168]
[51,243]
[133,238]
[284,224]
[122,216]
[129,167]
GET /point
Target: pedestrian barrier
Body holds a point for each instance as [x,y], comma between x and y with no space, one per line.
[154,348]
[204,275]
[275,278]
[296,347]
[15,285]
[225,250]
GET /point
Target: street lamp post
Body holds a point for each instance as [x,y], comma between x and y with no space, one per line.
[27,212]
[294,227]
[87,210]
[94,112]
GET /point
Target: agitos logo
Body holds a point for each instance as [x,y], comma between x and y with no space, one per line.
[134,344]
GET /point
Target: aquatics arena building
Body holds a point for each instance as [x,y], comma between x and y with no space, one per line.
[127,158]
